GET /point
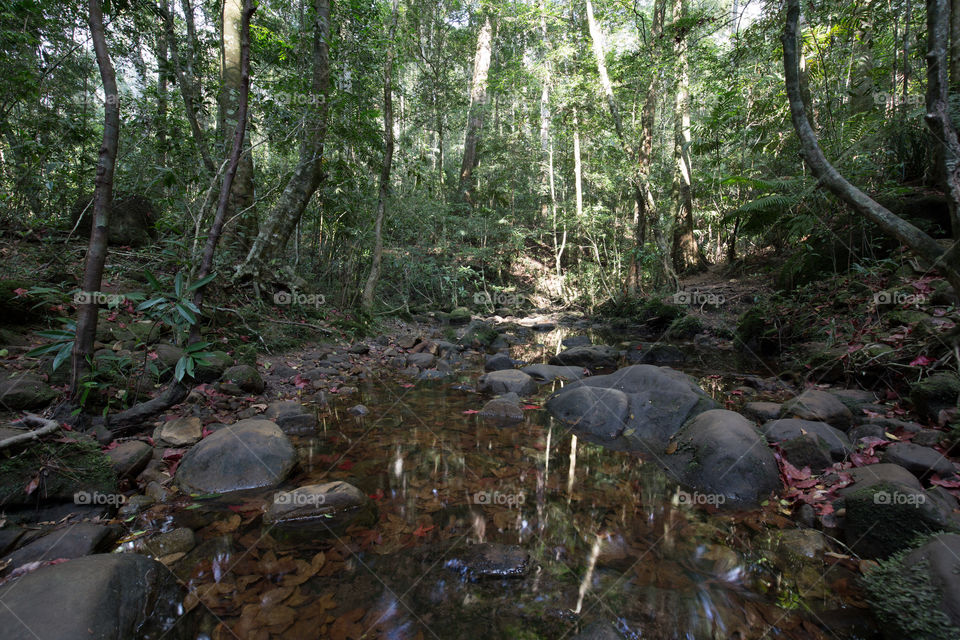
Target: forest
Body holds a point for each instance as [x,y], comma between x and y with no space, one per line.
[583,319]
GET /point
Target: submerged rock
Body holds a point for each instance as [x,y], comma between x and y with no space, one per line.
[333,504]
[491,560]
[507,381]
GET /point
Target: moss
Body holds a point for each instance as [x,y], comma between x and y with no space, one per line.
[685,327]
[906,602]
[879,527]
[63,468]
[658,314]
[937,392]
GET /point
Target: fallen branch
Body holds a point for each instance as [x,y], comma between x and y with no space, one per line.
[44,427]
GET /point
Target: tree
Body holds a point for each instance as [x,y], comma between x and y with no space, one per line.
[366,302]
[478,101]
[282,219]
[102,197]
[242,197]
[937,118]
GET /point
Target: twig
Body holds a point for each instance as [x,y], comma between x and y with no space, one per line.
[302,324]
[45,427]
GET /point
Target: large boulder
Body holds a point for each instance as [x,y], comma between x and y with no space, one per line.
[935,393]
[635,408]
[916,594]
[886,508]
[69,541]
[721,455]
[250,454]
[789,429]
[133,220]
[818,406]
[592,357]
[114,595]
[507,381]
[129,458]
[549,372]
[244,376]
[921,461]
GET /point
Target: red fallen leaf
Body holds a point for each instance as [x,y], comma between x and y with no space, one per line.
[806,484]
[113,445]
[150,441]
[862,460]
[405,385]
[422,531]
[20,291]
[530,406]
[32,485]
[736,392]
[854,347]
[949,484]
[112,317]
[377,496]
[172,455]
[922,361]
[346,465]
[153,355]
[65,426]
[244,338]
[205,432]
[299,382]
[471,411]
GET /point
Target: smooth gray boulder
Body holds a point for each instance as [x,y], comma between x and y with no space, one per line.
[112,595]
[721,455]
[792,428]
[334,504]
[921,461]
[250,454]
[660,401]
[592,357]
[507,381]
[818,406]
[543,373]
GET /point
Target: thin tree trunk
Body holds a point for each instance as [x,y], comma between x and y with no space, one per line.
[938,106]
[478,102]
[366,301]
[577,167]
[891,224]
[241,207]
[178,389]
[685,252]
[163,75]
[954,45]
[283,218]
[187,91]
[102,198]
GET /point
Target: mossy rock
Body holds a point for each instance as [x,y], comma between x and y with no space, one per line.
[755,332]
[885,517]
[63,468]
[460,315]
[905,317]
[906,601]
[17,309]
[935,393]
[215,363]
[685,327]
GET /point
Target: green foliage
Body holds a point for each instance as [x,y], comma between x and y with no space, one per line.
[905,600]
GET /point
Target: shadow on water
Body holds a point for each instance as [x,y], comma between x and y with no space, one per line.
[600,536]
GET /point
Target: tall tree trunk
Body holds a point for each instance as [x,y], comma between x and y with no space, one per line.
[577,166]
[891,224]
[938,106]
[685,251]
[181,69]
[366,300]
[240,211]
[478,102]
[102,198]
[544,120]
[954,45]
[163,75]
[279,224]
